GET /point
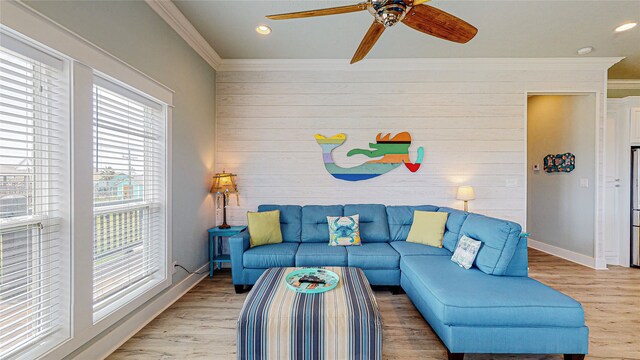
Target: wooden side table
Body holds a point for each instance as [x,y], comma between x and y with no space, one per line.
[216,257]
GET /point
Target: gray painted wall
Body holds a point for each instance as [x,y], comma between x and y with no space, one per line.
[560,211]
[134,33]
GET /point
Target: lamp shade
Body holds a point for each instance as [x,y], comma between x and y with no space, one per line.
[224,183]
[465,193]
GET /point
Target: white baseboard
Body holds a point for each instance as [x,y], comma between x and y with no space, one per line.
[110,342]
[563,253]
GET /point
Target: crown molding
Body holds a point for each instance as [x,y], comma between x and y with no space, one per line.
[591,63]
[623,84]
[176,19]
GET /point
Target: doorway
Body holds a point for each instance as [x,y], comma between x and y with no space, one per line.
[561,175]
[622,170]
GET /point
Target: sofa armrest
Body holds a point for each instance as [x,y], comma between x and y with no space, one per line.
[238,244]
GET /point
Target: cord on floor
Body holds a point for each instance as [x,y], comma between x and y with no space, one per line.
[191,272]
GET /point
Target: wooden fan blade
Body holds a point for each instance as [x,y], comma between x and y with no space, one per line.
[438,23]
[370,38]
[418,2]
[319,12]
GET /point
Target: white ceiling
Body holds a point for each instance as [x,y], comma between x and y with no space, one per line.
[520,28]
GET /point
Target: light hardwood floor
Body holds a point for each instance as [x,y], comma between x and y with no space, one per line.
[201,325]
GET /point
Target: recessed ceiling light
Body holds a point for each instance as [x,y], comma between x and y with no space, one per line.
[263,30]
[625,27]
[585,50]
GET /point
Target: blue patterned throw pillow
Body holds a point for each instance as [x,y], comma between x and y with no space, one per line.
[344,230]
[466,251]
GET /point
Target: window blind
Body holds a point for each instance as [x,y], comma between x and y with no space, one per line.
[128,192]
[33,137]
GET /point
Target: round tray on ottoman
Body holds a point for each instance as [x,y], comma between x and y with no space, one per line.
[312,280]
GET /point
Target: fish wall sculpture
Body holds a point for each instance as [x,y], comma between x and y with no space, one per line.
[390,153]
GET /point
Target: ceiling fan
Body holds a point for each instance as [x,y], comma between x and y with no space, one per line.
[387,13]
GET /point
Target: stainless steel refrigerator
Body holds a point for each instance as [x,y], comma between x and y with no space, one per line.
[635,207]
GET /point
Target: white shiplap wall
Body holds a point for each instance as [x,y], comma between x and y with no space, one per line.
[469,117]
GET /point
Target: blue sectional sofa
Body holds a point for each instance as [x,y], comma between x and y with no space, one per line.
[494,307]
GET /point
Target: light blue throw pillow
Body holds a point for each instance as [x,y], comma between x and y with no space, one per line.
[466,252]
[344,230]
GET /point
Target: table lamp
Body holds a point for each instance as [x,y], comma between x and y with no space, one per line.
[224,185]
[465,193]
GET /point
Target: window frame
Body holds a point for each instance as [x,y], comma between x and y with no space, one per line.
[153,281]
[37,219]
[85,327]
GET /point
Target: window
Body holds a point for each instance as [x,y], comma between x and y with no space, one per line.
[33,162]
[84,189]
[128,193]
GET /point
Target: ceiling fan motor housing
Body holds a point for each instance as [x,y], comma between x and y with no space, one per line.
[389,12]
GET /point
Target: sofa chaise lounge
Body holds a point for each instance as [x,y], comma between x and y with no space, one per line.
[494,307]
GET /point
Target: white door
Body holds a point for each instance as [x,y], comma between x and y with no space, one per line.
[611,230]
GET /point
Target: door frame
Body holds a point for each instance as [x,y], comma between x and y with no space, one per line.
[622,108]
[630,198]
[597,261]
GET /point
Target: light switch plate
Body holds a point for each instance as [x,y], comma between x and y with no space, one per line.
[511,183]
[584,183]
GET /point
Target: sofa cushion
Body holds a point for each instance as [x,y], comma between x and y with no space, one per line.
[460,297]
[408,249]
[400,220]
[454,224]
[290,220]
[371,256]
[519,264]
[274,255]
[321,254]
[499,241]
[373,221]
[314,222]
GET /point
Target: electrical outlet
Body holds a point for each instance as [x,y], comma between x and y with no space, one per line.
[175,268]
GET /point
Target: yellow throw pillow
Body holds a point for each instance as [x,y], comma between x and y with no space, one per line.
[264,227]
[428,228]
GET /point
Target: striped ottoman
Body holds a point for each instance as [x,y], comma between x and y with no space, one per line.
[277,323]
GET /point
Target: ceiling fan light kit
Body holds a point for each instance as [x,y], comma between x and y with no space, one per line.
[387,13]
